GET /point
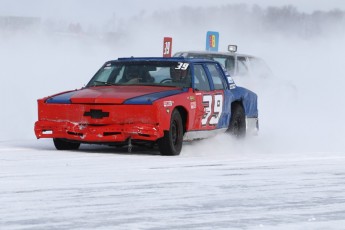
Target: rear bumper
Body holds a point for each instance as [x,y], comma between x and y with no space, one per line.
[252,125]
[96,133]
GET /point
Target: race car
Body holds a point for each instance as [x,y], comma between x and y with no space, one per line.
[149,101]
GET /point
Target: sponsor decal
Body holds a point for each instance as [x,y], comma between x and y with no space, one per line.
[168,103]
[230,80]
[193,105]
[192,98]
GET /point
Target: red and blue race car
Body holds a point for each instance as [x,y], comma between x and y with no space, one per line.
[162,101]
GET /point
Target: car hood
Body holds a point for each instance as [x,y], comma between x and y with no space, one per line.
[114,95]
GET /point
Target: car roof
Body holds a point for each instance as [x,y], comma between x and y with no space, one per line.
[215,53]
[162,59]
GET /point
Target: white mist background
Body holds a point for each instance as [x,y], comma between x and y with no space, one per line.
[301,109]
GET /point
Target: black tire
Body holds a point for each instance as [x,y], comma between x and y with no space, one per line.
[237,126]
[171,143]
[61,144]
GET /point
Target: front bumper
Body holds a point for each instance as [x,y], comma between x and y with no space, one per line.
[97,133]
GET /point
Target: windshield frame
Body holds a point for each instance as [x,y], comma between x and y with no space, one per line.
[149,73]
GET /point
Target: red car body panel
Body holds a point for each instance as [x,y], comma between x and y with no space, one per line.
[138,122]
[111,95]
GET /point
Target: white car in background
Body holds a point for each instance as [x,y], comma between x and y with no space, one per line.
[238,65]
[248,71]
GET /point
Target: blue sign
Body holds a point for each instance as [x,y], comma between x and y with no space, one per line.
[212,40]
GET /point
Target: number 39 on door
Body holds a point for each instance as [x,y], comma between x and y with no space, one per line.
[213,106]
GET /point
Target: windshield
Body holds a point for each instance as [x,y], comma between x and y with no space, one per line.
[153,73]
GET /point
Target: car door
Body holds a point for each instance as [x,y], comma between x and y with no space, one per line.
[211,99]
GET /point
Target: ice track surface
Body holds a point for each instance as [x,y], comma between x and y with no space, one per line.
[108,188]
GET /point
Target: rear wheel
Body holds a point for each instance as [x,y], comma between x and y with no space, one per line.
[171,143]
[237,126]
[61,144]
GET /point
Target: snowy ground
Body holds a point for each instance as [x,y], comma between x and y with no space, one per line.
[107,188]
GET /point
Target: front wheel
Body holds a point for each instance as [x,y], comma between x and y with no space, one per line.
[171,143]
[237,126]
[61,144]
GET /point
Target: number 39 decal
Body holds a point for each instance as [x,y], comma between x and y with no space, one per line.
[182,66]
[216,104]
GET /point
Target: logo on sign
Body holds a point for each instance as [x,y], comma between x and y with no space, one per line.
[166,48]
[212,41]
